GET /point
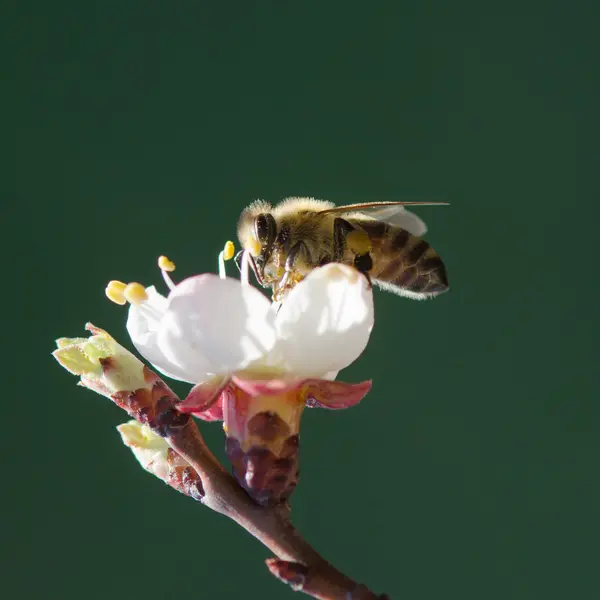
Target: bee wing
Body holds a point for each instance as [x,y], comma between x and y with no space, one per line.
[392,213]
[399,217]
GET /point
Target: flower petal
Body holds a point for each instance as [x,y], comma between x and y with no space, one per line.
[143,324]
[204,400]
[325,322]
[215,325]
[331,375]
[335,395]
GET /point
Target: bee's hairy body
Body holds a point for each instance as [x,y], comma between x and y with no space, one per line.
[302,236]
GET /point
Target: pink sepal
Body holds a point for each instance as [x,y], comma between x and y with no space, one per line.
[205,400]
[334,395]
[321,393]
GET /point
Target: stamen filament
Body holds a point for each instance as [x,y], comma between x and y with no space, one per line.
[168,280]
[245,270]
[165,265]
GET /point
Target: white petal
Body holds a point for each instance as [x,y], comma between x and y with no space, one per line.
[143,324]
[330,376]
[215,325]
[325,322]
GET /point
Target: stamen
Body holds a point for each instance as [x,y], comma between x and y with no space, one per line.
[229,250]
[225,254]
[165,265]
[244,273]
[135,293]
[114,292]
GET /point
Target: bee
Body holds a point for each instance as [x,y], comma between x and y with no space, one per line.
[382,240]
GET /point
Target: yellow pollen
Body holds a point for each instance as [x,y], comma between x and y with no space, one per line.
[358,242]
[114,292]
[164,264]
[135,293]
[254,248]
[228,251]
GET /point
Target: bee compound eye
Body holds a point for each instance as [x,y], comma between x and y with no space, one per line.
[264,228]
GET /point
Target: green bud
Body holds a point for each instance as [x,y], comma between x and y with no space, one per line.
[101,362]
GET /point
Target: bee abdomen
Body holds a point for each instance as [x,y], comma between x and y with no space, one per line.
[409,263]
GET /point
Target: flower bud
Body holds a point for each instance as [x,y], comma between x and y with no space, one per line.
[107,368]
[157,457]
[103,364]
[150,449]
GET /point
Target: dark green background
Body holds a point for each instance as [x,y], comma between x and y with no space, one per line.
[141,128]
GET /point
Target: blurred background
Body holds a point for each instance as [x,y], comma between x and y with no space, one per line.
[138,129]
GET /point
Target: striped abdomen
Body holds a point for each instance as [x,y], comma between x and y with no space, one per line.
[402,262]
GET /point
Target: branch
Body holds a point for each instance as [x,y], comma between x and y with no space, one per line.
[297,563]
[191,467]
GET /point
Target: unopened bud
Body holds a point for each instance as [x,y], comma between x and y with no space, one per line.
[101,362]
[157,457]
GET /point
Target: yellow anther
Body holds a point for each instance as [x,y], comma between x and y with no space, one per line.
[135,293]
[115,292]
[164,264]
[358,242]
[228,251]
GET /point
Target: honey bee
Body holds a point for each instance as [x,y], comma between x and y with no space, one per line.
[382,240]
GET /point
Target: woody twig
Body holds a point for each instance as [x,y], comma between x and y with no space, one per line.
[169,444]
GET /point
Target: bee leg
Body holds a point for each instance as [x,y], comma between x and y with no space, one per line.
[293,254]
[341,228]
[238,263]
[364,263]
[360,246]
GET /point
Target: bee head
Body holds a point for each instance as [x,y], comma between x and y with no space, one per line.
[257,231]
